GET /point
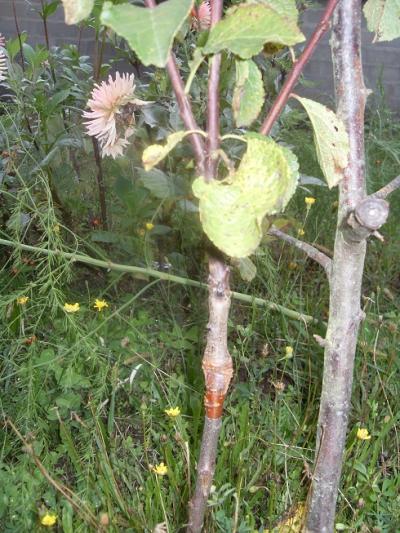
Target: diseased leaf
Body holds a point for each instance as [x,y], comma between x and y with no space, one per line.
[286,8]
[383,18]
[246,28]
[232,210]
[331,140]
[155,153]
[76,10]
[149,31]
[249,94]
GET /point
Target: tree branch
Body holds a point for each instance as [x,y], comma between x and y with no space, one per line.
[298,68]
[387,189]
[213,102]
[184,105]
[308,249]
[109,265]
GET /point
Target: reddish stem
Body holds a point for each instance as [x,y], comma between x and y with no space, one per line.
[213,101]
[185,108]
[298,68]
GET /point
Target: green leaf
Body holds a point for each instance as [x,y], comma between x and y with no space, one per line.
[246,267]
[331,140]
[155,153]
[383,18]
[159,184]
[77,10]
[249,94]
[232,210]
[247,27]
[286,8]
[149,31]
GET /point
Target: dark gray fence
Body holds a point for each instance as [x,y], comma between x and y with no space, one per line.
[381,61]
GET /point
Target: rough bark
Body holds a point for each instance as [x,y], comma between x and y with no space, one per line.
[347,271]
[217,368]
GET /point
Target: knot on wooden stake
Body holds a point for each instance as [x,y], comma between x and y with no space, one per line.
[368,216]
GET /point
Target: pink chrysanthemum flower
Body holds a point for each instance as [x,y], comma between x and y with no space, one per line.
[111,114]
[201,16]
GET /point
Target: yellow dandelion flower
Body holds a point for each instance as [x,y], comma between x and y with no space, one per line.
[22,300]
[100,304]
[173,412]
[160,469]
[71,308]
[149,226]
[362,434]
[300,232]
[289,351]
[309,200]
[48,520]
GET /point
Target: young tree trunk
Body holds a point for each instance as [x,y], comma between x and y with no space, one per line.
[217,368]
[345,312]
[217,362]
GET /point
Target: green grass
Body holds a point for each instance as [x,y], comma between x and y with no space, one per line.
[90,392]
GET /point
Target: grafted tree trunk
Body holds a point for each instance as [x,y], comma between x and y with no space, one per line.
[217,368]
[217,362]
[345,312]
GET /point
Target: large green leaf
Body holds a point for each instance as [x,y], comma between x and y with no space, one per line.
[331,140]
[283,7]
[383,18]
[149,31]
[247,27]
[231,210]
[77,10]
[249,94]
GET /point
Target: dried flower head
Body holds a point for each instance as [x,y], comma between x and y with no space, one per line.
[111,113]
[201,16]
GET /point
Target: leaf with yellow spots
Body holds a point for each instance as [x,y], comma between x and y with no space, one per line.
[232,210]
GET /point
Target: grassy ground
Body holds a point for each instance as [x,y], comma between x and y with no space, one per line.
[86,393]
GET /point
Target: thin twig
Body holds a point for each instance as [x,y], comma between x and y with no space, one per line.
[185,108]
[298,68]
[308,249]
[387,189]
[109,265]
